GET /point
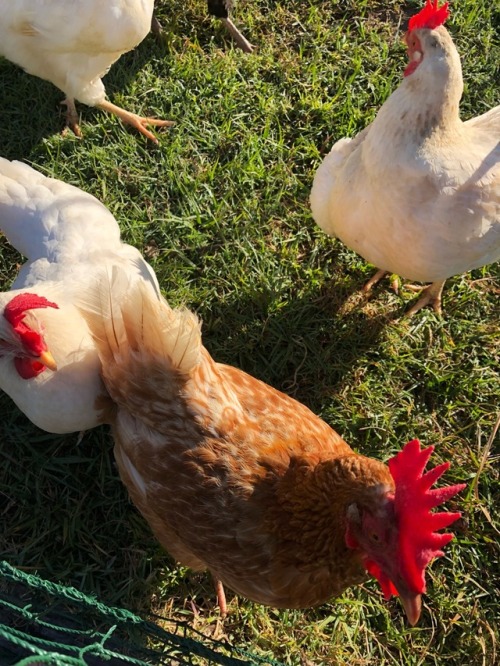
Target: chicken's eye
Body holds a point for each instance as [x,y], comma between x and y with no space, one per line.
[375,537]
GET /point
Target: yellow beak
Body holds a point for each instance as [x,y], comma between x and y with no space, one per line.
[48,360]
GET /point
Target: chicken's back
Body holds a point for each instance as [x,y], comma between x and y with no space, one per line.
[489,123]
[210,454]
[45,217]
[64,232]
[72,43]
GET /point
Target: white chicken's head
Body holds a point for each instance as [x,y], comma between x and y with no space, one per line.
[24,342]
[431,51]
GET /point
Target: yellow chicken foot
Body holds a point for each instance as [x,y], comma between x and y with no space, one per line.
[374,280]
[377,277]
[139,122]
[238,37]
[221,596]
[72,119]
[431,295]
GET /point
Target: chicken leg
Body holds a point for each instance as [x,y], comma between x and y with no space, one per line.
[139,122]
[221,9]
[430,295]
[374,280]
[156,27]
[377,277]
[238,37]
[72,119]
[221,596]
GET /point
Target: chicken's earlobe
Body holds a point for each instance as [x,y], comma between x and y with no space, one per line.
[353,517]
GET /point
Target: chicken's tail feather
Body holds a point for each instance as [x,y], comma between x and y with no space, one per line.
[138,335]
[489,121]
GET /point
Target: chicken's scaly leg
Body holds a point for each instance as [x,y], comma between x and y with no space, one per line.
[156,28]
[431,295]
[377,277]
[221,596]
[72,119]
[238,37]
[139,122]
[374,279]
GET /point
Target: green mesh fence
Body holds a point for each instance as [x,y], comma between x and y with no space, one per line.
[46,623]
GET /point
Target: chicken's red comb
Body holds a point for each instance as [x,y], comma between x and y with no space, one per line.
[420,541]
[15,309]
[431,16]
[14,312]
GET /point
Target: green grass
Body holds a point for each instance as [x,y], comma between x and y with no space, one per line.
[220,208]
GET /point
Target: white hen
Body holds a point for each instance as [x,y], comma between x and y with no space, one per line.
[417,193]
[67,235]
[73,43]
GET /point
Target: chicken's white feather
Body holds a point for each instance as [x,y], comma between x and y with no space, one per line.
[72,43]
[67,237]
[417,193]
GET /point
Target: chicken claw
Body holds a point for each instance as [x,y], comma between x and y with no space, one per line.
[139,122]
[374,280]
[431,295]
[72,118]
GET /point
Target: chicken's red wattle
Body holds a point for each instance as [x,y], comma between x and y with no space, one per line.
[415,53]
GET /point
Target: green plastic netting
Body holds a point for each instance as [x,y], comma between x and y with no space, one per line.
[46,623]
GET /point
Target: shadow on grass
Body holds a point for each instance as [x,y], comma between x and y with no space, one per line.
[304,347]
[65,513]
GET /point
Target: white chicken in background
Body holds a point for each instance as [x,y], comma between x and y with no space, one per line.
[73,43]
[48,361]
[417,192]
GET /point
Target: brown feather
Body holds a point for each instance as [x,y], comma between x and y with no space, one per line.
[231,474]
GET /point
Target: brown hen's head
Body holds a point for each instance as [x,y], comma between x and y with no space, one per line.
[26,345]
[400,537]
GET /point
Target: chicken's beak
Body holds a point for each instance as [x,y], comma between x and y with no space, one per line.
[48,360]
[412,603]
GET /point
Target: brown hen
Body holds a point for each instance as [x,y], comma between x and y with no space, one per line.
[235,477]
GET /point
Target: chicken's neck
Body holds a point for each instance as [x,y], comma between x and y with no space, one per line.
[325,492]
[421,110]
